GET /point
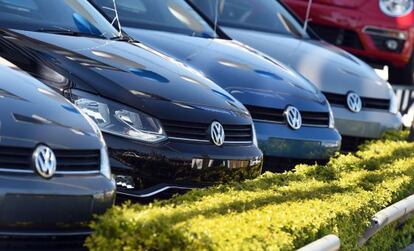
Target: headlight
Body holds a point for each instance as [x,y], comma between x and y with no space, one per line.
[393,101]
[105,166]
[396,8]
[118,119]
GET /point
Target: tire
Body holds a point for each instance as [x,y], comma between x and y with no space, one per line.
[402,76]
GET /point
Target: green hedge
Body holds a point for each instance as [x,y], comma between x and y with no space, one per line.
[275,211]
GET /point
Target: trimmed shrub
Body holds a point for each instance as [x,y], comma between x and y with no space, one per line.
[275,211]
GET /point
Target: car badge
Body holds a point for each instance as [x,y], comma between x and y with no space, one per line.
[217,134]
[44,161]
[293,117]
[354,102]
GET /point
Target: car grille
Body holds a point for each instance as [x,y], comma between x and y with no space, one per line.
[20,159]
[310,119]
[339,37]
[78,161]
[199,132]
[369,103]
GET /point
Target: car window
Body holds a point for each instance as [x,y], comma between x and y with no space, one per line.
[261,15]
[166,15]
[35,15]
[28,5]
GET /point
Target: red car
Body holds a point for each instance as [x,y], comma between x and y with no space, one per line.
[378,31]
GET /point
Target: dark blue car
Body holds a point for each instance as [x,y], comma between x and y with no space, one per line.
[293,119]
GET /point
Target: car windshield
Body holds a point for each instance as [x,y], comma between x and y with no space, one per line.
[166,15]
[55,16]
[260,15]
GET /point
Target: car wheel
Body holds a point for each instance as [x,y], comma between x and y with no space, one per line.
[402,76]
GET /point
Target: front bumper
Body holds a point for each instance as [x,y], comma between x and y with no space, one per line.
[370,124]
[61,206]
[148,170]
[307,143]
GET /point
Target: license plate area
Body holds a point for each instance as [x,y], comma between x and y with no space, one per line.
[45,210]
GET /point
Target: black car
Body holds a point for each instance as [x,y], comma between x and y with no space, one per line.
[166,125]
[268,88]
[54,168]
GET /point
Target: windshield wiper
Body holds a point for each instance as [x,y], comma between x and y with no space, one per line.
[123,38]
[70,32]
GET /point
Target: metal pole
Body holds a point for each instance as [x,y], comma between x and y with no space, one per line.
[328,243]
[397,211]
[308,10]
[411,137]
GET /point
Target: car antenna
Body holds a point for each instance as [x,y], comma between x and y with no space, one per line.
[116,18]
[216,10]
[307,19]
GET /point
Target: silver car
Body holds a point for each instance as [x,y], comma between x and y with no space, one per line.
[364,105]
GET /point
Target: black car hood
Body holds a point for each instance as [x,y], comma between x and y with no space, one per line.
[131,74]
[32,114]
[241,70]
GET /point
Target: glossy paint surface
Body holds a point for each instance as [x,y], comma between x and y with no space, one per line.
[130,73]
[33,114]
[329,68]
[139,77]
[252,77]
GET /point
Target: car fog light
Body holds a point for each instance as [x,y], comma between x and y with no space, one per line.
[392,44]
[331,144]
[126,182]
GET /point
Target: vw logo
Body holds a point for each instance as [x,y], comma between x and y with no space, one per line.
[217,133]
[44,161]
[354,102]
[293,117]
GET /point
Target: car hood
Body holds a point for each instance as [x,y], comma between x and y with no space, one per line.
[132,74]
[328,67]
[237,68]
[32,114]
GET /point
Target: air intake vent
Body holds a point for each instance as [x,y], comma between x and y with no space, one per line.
[20,159]
[315,119]
[267,114]
[15,158]
[310,119]
[373,103]
[77,160]
[198,132]
[369,103]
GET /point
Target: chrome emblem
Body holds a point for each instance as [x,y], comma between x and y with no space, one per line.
[354,102]
[293,117]
[217,133]
[44,161]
